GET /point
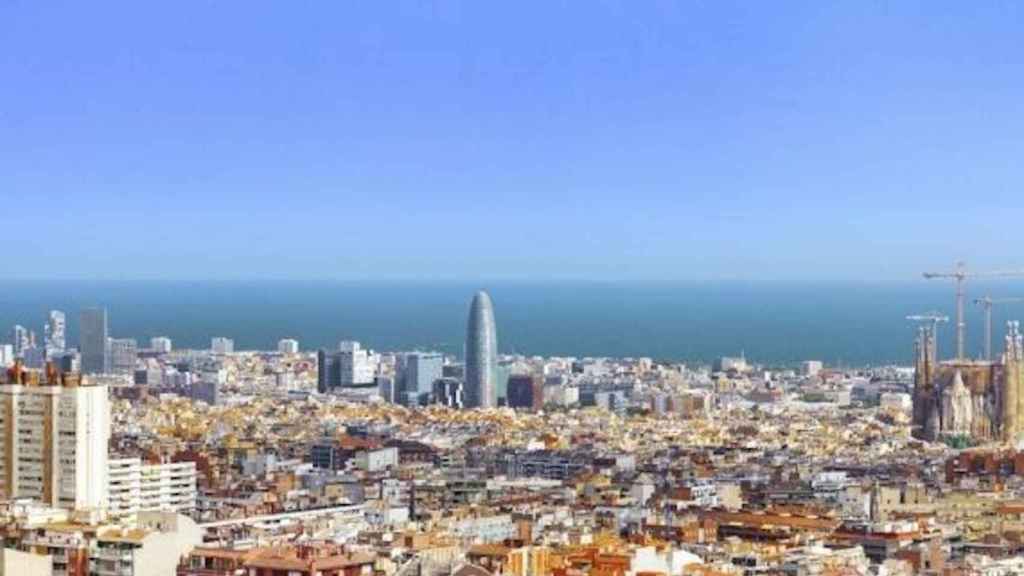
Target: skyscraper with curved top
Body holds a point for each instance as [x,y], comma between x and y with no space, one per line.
[481,353]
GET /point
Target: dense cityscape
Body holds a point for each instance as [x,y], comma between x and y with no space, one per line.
[125,460]
[462,288]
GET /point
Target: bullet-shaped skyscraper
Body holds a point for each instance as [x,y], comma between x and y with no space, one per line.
[481,353]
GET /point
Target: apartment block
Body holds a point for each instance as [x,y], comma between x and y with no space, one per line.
[137,487]
[55,429]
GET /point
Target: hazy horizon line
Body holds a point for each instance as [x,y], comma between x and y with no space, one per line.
[484,280]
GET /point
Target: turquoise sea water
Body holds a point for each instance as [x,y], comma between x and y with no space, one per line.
[775,323]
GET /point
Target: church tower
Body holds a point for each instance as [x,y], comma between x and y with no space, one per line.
[1013,400]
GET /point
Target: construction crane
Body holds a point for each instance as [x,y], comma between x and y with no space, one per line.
[987,303]
[960,274]
[933,318]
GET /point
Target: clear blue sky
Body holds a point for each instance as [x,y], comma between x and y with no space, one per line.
[616,140]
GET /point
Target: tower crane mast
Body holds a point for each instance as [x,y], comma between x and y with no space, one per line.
[987,302]
[959,274]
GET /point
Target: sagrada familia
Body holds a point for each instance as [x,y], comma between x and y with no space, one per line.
[979,400]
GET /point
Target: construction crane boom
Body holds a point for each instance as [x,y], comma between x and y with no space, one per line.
[987,302]
[960,274]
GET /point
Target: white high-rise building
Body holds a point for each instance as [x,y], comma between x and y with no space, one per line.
[6,355]
[288,346]
[357,366]
[811,368]
[160,345]
[136,487]
[55,333]
[20,340]
[220,345]
[55,435]
[124,352]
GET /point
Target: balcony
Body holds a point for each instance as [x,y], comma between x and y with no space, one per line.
[113,554]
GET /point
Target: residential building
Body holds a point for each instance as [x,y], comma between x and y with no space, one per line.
[17,563]
[151,545]
[160,345]
[55,334]
[288,346]
[221,345]
[811,368]
[20,340]
[137,487]
[57,428]
[124,352]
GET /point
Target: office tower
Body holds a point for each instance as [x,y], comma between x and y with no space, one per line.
[220,345]
[208,387]
[386,388]
[151,374]
[160,345]
[454,371]
[357,366]
[123,354]
[502,374]
[20,340]
[351,366]
[34,357]
[56,428]
[416,373]
[326,371]
[526,391]
[6,355]
[481,353]
[55,333]
[92,341]
[449,392]
[288,346]
[69,361]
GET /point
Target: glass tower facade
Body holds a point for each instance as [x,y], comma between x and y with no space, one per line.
[481,353]
[92,341]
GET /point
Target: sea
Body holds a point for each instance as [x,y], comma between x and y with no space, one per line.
[773,323]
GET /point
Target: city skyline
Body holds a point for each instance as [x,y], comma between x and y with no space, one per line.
[663,141]
[753,266]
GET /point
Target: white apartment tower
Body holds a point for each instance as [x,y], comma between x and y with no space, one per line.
[288,346]
[21,340]
[55,432]
[55,333]
[221,345]
[160,345]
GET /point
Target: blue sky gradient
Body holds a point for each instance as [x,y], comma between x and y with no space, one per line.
[536,140]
